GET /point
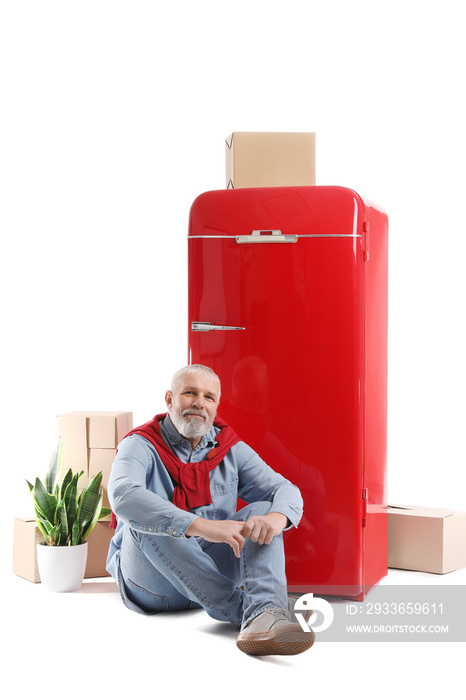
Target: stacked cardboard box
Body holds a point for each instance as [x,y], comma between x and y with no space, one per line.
[426,539]
[90,439]
[270,159]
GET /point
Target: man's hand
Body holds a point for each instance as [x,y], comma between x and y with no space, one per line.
[263,528]
[228,531]
[260,528]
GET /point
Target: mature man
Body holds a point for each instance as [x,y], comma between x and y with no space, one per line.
[179,541]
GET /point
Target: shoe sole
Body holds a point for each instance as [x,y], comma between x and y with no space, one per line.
[286,641]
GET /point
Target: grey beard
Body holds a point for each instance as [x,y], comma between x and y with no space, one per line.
[190,428]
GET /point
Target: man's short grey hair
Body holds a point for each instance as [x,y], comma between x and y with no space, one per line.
[194,369]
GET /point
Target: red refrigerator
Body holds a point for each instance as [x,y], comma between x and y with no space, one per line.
[288,304]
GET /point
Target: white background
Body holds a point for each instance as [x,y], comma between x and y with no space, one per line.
[113,119]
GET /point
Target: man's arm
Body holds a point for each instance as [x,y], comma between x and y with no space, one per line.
[133,503]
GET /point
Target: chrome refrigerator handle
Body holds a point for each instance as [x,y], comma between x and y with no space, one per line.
[207,326]
[267,237]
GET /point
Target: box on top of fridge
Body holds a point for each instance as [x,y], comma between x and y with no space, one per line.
[270,159]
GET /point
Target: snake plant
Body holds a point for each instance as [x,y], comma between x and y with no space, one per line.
[64,516]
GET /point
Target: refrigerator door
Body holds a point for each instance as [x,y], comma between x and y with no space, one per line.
[277,274]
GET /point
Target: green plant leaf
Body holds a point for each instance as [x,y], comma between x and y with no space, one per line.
[76,533]
[44,502]
[62,521]
[53,473]
[89,500]
[55,536]
[46,524]
[91,524]
[67,479]
[71,501]
[104,512]
[45,527]
[50,532]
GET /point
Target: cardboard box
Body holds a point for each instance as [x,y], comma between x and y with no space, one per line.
[26,535]
[270,159]
[90,439]
[73,431]
[426,539]
[83,430]
[99,542]
[100,460]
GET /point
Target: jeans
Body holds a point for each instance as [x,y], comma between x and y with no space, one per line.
[162,573]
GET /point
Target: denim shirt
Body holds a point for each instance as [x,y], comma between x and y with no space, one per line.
[140,488]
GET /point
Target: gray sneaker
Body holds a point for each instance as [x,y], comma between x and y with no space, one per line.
[273,632]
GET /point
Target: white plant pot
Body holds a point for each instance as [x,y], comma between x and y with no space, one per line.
[61,569]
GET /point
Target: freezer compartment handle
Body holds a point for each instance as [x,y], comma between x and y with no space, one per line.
[207,326]
[268,236]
